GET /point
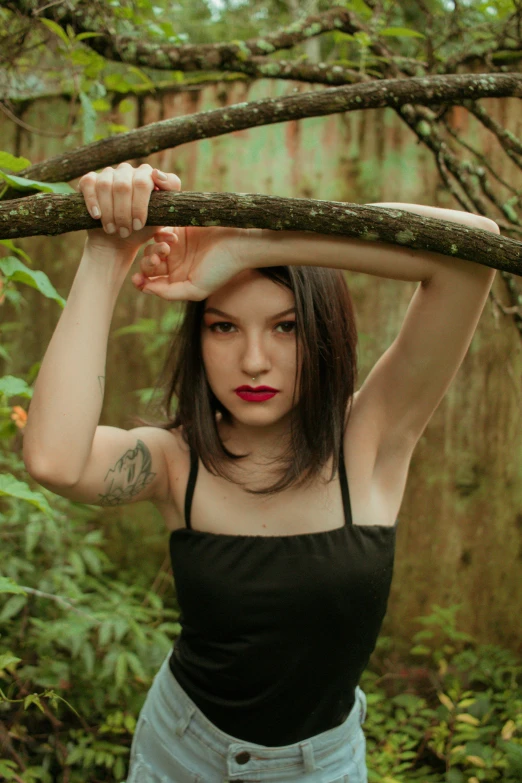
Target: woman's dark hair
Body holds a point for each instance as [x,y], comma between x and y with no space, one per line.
[326,345]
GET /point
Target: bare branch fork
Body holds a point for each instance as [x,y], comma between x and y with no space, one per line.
[54,214]
[429,90]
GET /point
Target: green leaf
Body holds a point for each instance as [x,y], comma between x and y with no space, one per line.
[105,632]
[13,163]
[7,585]
[10,245]
[115,82]
[77,563]
[11,487]
[88,657]
[33,698]
[92,560]
[101,104]
[33,531]
[401,32]
[144,326]
[420,649]
[143,76]
[115,127]
[135,665]
[13,605]
[15,387]
[17,271]
[89,118]
[120,626]
[7,659]
[125,106]
[59,31]
[20,183]
[84,36]
[121,669]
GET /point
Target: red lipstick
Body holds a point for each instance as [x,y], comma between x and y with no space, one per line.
[257,394]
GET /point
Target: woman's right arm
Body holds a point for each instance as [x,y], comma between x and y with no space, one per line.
[64,447]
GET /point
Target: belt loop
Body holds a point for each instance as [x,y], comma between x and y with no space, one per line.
[308,756]
[182,724]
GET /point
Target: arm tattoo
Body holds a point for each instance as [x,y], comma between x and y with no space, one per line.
[128,477]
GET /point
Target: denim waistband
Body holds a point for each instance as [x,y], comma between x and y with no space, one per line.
[170,708]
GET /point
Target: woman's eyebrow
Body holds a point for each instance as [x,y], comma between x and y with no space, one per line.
[227,315]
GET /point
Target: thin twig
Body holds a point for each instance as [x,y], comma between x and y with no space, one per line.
[509,142]
[59,600]
[31,128]
[482,158]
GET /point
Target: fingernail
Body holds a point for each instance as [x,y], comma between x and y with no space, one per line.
[137,224]
[161,175]
[110,228]
[95,212]
[124,232]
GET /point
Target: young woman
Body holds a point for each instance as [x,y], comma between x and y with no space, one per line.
[279,483]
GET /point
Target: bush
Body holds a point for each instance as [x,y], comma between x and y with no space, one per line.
[455,719]
[80,643]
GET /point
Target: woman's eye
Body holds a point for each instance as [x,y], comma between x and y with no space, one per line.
[224,327]
[290,326]
[221,324]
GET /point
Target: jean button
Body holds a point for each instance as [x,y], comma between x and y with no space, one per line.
[243,757]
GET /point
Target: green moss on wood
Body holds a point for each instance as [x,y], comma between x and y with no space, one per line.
[404,237]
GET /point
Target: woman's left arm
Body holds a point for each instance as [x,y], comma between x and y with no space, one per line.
[409,380]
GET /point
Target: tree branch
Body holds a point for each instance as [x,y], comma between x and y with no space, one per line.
[509,143]
[171,133]
[227,56]
[52,214]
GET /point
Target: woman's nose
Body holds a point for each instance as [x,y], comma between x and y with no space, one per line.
[255,357]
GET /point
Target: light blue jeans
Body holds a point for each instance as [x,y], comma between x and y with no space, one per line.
[175,743]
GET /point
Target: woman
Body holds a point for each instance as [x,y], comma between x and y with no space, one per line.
[279,484]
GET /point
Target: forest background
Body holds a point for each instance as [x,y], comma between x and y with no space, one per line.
[85,614]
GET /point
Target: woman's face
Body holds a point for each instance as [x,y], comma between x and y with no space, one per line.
[253,336]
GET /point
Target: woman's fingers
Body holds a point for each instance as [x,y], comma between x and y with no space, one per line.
[166,181]
[166,234]
[143,186]
[104,198]
[153,263]
[87,186]
[122,198]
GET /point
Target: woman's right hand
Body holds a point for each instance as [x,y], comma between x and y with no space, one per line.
[191,262]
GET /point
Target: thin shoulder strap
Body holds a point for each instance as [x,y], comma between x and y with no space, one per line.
[190,485]
[344,487]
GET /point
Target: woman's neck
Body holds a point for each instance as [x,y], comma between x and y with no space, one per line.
[262,443]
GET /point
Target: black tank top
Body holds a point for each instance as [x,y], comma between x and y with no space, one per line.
[277,630]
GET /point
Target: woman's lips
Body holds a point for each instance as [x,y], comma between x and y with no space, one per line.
[253,396]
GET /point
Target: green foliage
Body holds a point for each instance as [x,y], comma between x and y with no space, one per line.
[54,59]
[16,271]
[11,162]
[455,718]
[21,183]
[79,640]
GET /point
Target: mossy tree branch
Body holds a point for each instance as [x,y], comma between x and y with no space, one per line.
[53,214]
[431,90]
